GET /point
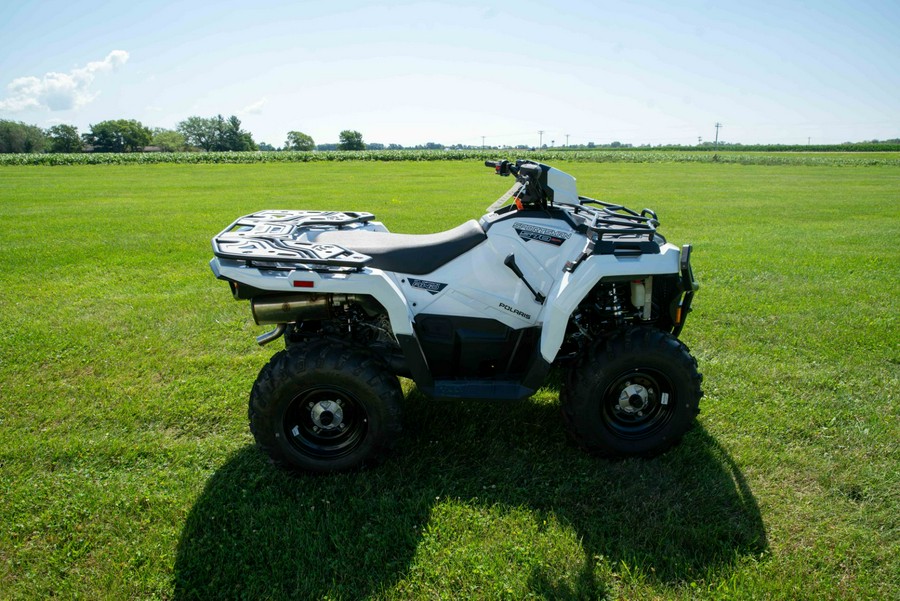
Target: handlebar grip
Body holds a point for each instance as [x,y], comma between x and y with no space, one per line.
[500,167]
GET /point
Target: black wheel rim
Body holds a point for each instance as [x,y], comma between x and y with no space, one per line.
[325,422]
[638,404]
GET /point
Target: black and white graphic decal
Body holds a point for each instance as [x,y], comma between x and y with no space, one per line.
[528,232]
[430,287]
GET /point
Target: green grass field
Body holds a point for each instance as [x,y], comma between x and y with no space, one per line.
[127,470]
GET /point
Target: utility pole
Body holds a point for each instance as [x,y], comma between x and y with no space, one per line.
[541,143]
[482,142]
[567,140]
[808,138]
[718,125]
[699,140]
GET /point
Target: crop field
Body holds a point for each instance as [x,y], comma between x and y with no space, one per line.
[746,157]
[127,470]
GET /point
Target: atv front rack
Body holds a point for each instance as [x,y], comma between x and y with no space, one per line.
[619,230]
[269,239]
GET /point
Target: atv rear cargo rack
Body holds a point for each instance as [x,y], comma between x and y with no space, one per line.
[269,239]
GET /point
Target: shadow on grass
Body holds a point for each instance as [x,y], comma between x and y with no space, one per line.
[256,532]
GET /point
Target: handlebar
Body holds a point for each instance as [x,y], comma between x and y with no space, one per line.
[502,167]
[528,175]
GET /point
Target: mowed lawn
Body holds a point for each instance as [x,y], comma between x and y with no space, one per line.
[127,470]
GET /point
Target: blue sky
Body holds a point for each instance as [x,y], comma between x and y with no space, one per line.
[452,72]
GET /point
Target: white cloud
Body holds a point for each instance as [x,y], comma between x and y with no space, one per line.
[254,109]
[60,91]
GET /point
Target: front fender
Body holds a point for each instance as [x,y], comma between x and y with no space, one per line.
[572,287]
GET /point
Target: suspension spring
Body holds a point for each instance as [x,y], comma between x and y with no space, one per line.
[610,305]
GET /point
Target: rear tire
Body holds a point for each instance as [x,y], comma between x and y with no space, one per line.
[633,394]
[324,407]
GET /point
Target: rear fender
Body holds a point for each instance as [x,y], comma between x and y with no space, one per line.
[572,287]
[370,282]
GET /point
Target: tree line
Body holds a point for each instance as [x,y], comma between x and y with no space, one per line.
[218,134]
[209,134]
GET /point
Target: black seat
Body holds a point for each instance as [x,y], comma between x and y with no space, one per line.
[408,253]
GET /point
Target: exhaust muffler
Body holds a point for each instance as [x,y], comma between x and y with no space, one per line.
[291,308]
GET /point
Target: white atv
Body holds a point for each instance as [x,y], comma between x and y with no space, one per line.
[483,310]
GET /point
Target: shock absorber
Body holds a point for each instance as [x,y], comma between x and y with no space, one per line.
[615,306]
[609,304]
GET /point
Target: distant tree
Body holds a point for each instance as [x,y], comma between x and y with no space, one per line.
[64,138]
[374,146]
[232,137]
[199,132]
[16,136]
[434,146]
[120,135]
[351,140]
[325,147]
[168,140]
[216,133]
[266,147]
[395,147]
[297,140]
[591,145]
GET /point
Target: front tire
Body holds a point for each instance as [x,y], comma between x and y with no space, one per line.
[324,407]
[633,394]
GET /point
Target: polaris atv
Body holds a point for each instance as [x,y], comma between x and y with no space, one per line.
[545,279]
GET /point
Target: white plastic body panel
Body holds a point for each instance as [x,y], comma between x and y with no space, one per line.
[571,288]
[478,283]
[374,282]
